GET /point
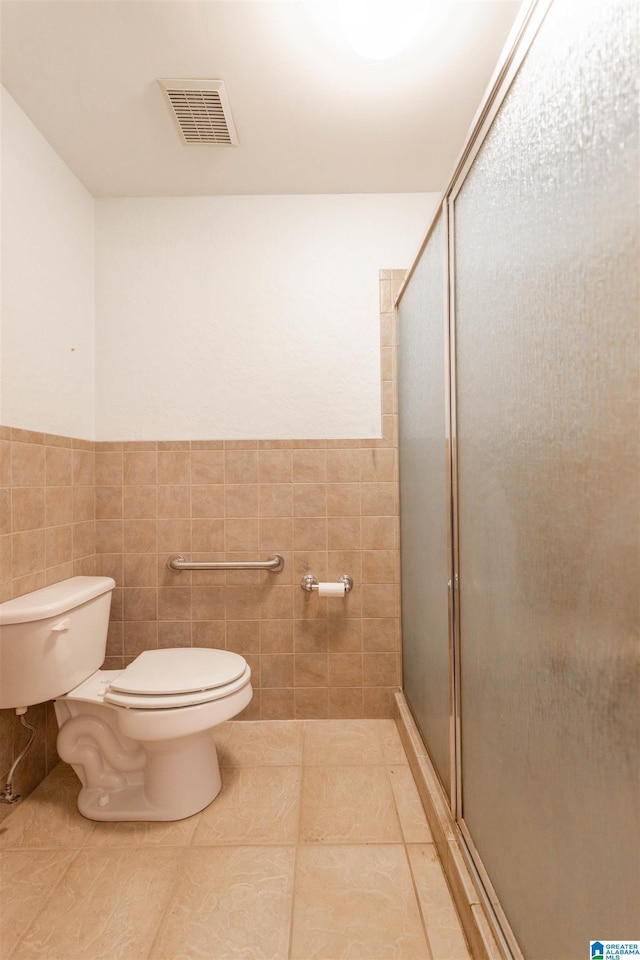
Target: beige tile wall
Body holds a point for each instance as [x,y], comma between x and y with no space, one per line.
[47,533]
[328,506]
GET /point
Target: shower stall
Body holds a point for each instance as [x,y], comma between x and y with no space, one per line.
[518,348]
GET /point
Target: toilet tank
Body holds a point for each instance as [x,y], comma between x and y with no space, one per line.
[52,639]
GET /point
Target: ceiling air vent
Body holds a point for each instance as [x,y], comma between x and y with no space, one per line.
[202,111]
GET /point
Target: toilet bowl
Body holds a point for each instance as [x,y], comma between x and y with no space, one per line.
[140,739]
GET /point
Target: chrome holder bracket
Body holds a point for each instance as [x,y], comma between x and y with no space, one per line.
[309,582]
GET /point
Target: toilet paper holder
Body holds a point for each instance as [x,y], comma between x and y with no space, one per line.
[309,582]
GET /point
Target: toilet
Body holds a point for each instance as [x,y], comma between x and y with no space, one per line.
[140,739]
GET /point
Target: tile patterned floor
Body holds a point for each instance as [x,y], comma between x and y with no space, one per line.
[316,847]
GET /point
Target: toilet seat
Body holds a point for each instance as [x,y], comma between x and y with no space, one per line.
[168,701]
[164,679]
[177,677]
[102,686]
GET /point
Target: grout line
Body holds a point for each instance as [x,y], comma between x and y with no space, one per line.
[408,861]
[170,897]
[414,884]
[405,844]
[297,844]
[21,938]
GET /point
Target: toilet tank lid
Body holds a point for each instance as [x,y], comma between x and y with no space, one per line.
[53,600]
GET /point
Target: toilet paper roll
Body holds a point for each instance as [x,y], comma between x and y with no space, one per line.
[331,589]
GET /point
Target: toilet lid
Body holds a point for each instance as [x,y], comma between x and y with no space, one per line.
[170,701]
[178,671]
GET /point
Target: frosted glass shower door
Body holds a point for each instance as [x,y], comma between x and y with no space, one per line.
[425,502]
[546,333]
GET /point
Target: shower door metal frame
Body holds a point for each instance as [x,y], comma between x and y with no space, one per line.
[513,57]
[442,212]
[525,30]
[522,35]
[451,475]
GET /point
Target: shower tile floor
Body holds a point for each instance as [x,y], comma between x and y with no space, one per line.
[316,847]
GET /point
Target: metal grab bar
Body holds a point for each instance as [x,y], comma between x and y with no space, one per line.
[177,562]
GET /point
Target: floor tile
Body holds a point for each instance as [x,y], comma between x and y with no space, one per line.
[49,817]
[255,805]
[263,742]
[440,918]
[343,742]
[145,833]
[413,820]
[391,743]
[27,879]
[317,839]
[348,804]
[107,906]
[230,902]
[355,902]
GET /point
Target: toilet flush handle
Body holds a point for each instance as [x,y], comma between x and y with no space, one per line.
[61,626]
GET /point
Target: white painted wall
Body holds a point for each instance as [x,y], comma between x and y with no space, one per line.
[215,317]
[245,317]
[47,292]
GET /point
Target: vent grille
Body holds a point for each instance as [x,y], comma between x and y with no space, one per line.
[201,110]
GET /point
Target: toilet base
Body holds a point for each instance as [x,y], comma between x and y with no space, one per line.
[174,785]
[124,779]
[142,764]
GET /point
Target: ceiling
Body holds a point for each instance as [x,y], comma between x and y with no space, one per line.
[312,116]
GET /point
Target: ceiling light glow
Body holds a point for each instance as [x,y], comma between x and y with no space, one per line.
[380,29]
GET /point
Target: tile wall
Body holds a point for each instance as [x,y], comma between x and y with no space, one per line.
[327,509]
[47,533]
[121,509]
